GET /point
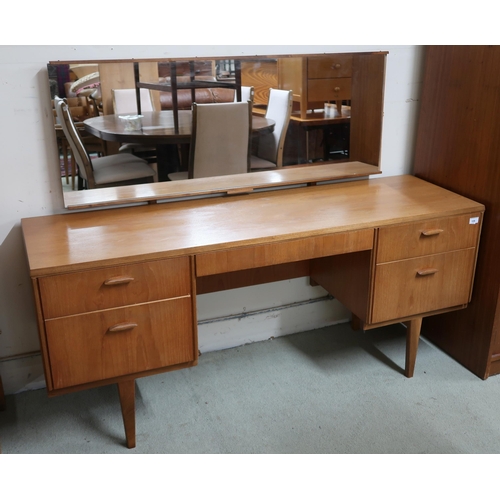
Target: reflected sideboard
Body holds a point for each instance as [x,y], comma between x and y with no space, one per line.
[116,289]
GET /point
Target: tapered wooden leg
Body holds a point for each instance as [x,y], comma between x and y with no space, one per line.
[356,323]
[412,337]
[127,402]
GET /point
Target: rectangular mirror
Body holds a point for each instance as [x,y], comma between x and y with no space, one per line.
[335,125]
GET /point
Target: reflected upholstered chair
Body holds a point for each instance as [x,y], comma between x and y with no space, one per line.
[125,101]
[247,94]
[270,147]
[107,171]
[220,140]
[92,144]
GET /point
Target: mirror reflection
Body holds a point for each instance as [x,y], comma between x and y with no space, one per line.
[182,119]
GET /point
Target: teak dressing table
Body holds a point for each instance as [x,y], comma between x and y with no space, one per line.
[116,289]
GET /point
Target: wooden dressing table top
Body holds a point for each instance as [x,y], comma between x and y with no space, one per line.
[74,241]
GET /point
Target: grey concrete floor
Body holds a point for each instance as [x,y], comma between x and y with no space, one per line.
[327,391]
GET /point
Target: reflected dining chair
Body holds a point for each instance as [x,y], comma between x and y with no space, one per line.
[106,171]
[270,146]
[125,101]
[92,144]
[220,140]
[247,94]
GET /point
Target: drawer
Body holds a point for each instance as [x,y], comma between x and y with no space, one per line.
[329,90]
[280,253]
[334,66]
[87,291]
[423,284]
[428,237]
[83,349]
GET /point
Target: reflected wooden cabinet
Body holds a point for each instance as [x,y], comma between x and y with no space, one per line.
[315,80]
[355,79]
[457,148]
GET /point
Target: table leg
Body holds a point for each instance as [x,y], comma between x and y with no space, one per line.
[184,156]
[64,148]
[307,145]
[167,160]
[127,403]
[326,143]
[2,396]
[413,328]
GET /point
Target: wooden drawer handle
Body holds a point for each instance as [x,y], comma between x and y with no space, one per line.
[118,280]
[121,327]
[337,89]
[336,66]
[427,272]
[432,232]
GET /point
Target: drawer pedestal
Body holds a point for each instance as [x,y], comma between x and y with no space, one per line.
[416,270]
[115,324]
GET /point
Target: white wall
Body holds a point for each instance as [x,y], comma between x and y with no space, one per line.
[30,186]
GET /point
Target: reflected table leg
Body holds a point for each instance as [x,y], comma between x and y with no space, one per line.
[168,160]
[2,396]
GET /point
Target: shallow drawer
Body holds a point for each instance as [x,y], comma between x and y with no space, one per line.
[427,237]
[329,90]
[87,291]
[334,66]
[424,284]
[279,253]
[84,348]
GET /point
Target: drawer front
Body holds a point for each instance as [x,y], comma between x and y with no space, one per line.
[334,66]
[428,237]
[280,253]
[88,291]
[421,285]
[329,90]
[83,348]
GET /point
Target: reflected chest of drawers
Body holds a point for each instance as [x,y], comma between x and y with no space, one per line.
[315,80]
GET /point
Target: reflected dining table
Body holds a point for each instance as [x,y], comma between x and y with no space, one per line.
[158,131]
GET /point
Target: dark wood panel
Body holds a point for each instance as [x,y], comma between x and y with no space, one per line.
[457,148]
[367,94]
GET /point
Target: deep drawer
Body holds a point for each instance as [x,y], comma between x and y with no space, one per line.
[334,66]
[428,237]
[329,90]
[424,284]
[280,253]
[88,291]
[83,348]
